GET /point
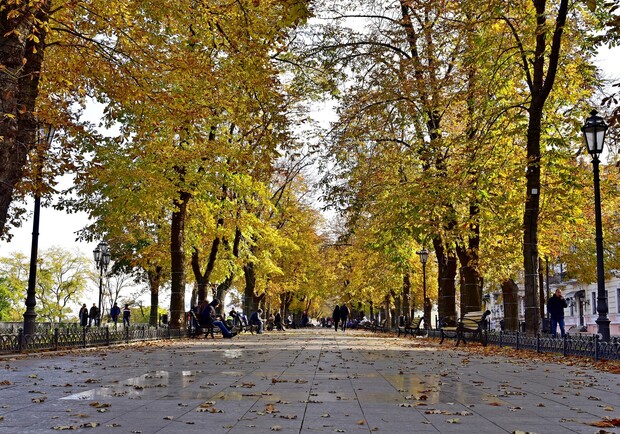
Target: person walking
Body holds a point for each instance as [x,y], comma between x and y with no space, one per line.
[336,316]
[83,315]
[93,315]
[277,320]
[344,315]
[555,307]
[115,313]
[126,315]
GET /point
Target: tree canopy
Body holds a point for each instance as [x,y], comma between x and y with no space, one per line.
[455,129]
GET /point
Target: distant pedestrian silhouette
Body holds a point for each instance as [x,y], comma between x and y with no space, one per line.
[336,316]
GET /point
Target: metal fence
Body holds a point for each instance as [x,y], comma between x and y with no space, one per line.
[72,337]
[582,344]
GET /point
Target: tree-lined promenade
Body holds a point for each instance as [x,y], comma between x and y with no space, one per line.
[456,129]
[306,381]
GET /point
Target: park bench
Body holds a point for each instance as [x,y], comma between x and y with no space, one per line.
[471,322]
[196,327]
[412,328]
[382,326]
[244,326]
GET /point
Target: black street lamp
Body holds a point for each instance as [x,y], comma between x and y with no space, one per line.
[101,255]
[594,131]
[44,139]
[426,306]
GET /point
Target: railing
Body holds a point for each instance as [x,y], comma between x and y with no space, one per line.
[72,337]
[584,345]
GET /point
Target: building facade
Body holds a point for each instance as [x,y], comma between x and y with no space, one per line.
[579,316]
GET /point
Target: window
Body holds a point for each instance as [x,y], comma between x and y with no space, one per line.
[593,303]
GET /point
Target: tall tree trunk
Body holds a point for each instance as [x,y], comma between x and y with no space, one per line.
[471,287]
[250,303]
[387,306]
[447,266]
[21,57]
[540,80]
[154,277]
[222,289]
[397,306]
[510,295]
[202,279]
[177,262]
[541,292]
[407,295]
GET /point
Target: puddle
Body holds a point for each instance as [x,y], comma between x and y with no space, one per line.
[135,387]
[233,354]
[103,393]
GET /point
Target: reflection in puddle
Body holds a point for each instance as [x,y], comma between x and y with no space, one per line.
[233,354]
[104,392]
[135,387]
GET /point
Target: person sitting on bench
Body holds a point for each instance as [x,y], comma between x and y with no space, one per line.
[209,316]
[256,320]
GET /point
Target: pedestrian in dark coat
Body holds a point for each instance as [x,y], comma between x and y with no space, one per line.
[126,315]
[83,315]
[115,312]
[93,315]
[344,315]
[336,316]
[555,307]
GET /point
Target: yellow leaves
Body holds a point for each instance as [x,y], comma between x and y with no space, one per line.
[591,4]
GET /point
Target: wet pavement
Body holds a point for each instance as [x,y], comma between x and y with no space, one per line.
[308,381]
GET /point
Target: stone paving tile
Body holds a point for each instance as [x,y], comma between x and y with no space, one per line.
[300,381]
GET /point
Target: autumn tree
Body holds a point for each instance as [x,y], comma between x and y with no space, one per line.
[62,278]
[209,122]
[24,26]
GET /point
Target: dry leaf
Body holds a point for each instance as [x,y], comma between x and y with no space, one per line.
[606,423]
[456,420]
[270,408]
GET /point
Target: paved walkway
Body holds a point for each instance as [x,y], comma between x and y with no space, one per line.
[300,381]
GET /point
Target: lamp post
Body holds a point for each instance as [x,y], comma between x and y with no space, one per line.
[594,131]
[30,315]
[101,255]
[423,258]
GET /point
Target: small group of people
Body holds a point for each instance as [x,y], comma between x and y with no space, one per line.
[340,316]
[207,315]
[88,317]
